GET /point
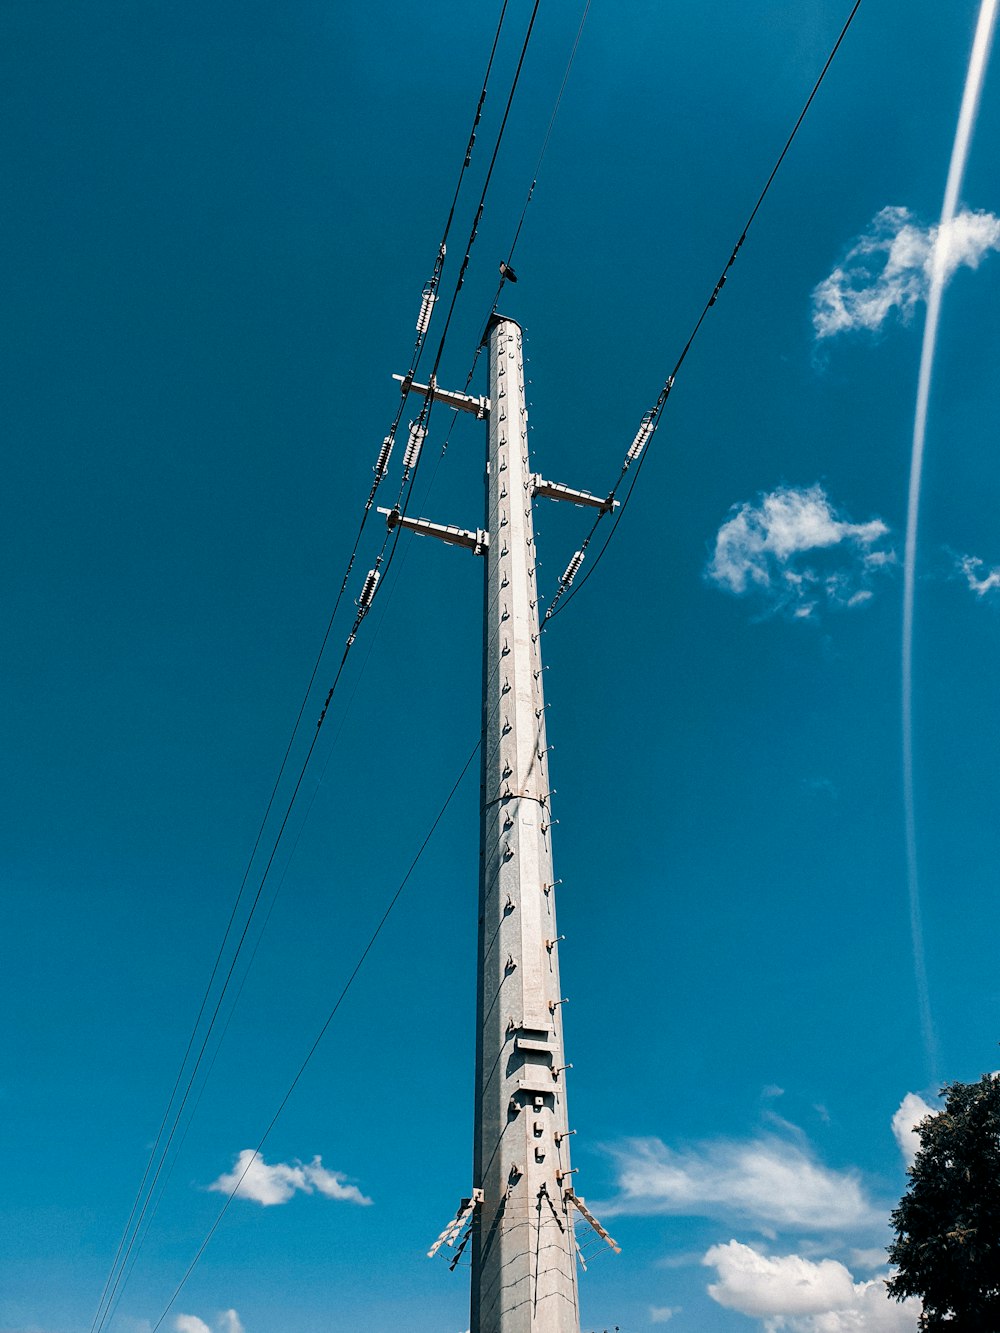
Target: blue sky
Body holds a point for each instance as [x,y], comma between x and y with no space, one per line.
[217,220]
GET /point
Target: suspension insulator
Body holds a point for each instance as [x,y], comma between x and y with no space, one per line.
[382,464]
[642,436]
[368,591]
[414,444]
[426,307]
[572,569]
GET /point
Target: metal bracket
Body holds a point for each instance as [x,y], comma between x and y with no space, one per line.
[461,402]
[608,1240]
[450,1234]
[476,542]
[552,490]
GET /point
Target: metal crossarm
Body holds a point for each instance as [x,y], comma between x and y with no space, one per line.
[554,490]
[476,542]
[461,402]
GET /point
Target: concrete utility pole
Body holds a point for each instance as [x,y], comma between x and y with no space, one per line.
[521,1211]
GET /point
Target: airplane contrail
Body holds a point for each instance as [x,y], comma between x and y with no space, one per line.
[938,277]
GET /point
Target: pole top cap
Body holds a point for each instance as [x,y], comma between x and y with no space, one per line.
[496,319]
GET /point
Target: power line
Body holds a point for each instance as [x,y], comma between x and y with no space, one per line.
[160,1148]
[406,488]
[486,184]
[410,465]
[420,427]
[249,966]
[638,451]
[322,1032]
[545,144]
[506,268]
[218,1004]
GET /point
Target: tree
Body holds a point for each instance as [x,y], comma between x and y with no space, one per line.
[947,1246]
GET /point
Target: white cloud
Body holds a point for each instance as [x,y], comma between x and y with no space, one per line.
[964,241]
[662,1314]
[253,1178]
[331,1183]
[791,1293]
[869,1259]
[794,550]
[979,583]
[912,1109]
[767,1181]
[227,1322]
[889,268]
[758,1285]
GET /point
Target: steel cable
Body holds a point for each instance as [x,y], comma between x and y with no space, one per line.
[422,425]
[322,1033]
[126,1244]
[564,594]
[520,224]
[405,492]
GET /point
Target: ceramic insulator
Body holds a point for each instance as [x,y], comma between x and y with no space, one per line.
[413,444]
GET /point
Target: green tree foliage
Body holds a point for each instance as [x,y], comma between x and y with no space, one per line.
[947,1247]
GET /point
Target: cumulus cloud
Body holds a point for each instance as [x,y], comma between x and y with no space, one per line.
[227,1322]
[869,1259]
[795,551]
[758,1285]
[789,1292]
[979,582]
[912,1109]
[662,1314]
[767,1181]
[888,270]
[253,1178]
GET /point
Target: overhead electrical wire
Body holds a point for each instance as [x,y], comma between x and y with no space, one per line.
[496,299]
[410,465]
[647,430]
[101,1319]
[244,978]
[507,266]
[638,451]
[420,427]
[321,1033]
[545,144]
[160,1147]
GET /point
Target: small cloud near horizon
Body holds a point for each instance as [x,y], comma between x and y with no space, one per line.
[269,1184]
[800,1295]
[227,1322]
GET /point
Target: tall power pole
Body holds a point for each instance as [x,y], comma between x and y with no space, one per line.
[523,1256]
[521,1211]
